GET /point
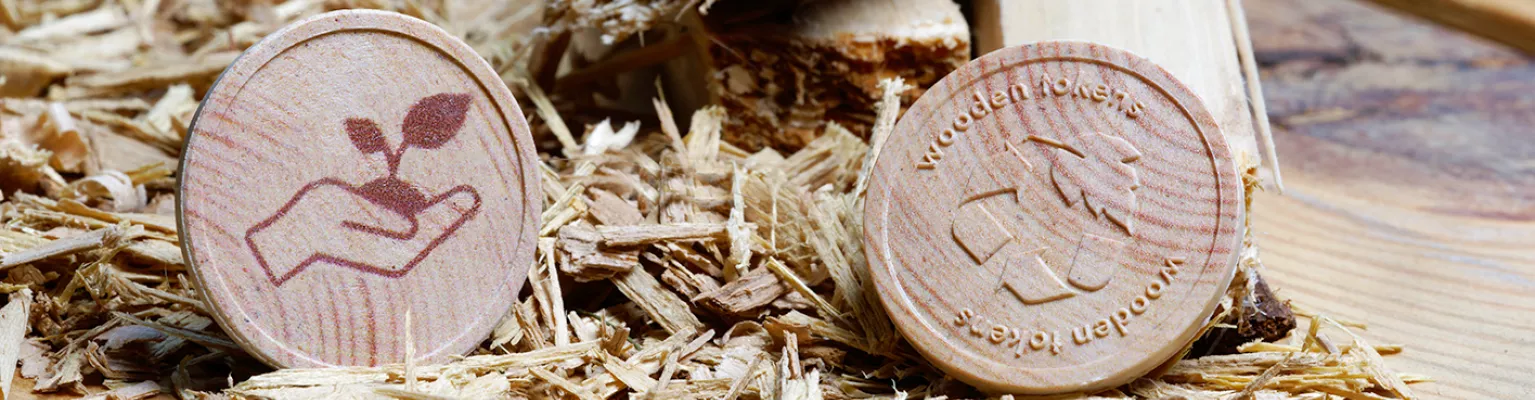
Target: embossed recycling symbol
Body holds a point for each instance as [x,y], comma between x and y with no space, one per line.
[385,226]
[1092,173]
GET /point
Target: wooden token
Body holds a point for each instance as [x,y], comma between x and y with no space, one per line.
[347,171]
[1053,218]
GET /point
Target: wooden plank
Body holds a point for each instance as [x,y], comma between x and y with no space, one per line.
[1409,194]
[1509,21]
[1193,39]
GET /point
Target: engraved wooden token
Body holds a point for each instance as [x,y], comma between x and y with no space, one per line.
[1053,218]
[347,170]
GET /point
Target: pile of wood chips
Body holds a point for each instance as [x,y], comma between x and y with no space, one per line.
[737,275]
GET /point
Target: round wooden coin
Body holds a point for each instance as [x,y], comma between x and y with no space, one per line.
[1053,218]
[351,169]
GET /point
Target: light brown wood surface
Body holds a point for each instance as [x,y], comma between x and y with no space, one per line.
[351,173]
[1509,21]
[1053,218]
[1193,39]
[1410,193]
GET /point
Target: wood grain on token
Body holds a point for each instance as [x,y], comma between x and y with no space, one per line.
[1053,218]
[351,168]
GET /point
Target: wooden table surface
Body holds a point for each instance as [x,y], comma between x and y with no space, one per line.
[1408,152]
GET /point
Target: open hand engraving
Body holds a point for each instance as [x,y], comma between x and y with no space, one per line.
[385,226]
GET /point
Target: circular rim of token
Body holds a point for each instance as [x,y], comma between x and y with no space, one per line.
[475,68]
[930,333]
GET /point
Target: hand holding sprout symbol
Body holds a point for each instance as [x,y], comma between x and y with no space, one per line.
[1092,170]
[385,226]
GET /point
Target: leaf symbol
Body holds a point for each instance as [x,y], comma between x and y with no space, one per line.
[366,136]
[435,119]
[1104,181]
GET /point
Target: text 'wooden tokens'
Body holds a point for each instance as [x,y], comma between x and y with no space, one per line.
[1053,218]
[347,170]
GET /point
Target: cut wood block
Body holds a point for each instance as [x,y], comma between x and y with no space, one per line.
[780,77]
[349,170]
[1054,218]
[1202,42]
[1509,21]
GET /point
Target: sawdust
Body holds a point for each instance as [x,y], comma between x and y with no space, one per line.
[671,264]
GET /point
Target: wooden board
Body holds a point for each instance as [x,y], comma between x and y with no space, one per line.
[1509,21]
[350,173]
[1193,39]
[1053,218]
[1410,193]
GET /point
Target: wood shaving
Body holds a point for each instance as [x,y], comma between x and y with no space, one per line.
[614,20]
[13,329]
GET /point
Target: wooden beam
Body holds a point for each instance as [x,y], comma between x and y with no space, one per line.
[1511,22]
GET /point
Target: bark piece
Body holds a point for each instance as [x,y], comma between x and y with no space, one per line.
[1260,316]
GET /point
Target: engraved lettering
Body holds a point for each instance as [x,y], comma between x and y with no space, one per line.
[1019,92]
[980,108]
[946,137]
[931,158]
[998,334]
[999,99]
[1081,335]
[1015,338]
[1039,340]
[1138,305]
[964,317]
[1061,86]
[1121,318]
[1021,342]
[1167,273]
[1120,98]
